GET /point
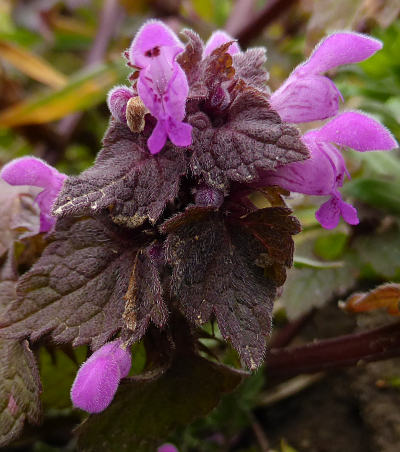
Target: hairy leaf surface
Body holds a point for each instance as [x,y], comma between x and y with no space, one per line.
[19,380]
[247,137]
[249,67]
[273,228]
[144,298]
[126,178]
[214,272]
[75,290]
[144,410]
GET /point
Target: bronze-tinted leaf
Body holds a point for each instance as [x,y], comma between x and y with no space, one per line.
[144,298]
[214,272]
[126,178]
[246,137]
[75,290]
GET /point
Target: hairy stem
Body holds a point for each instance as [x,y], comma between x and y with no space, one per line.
[374,345]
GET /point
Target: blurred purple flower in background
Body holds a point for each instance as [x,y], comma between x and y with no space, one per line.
[35,172]
[167,448]
[98,378]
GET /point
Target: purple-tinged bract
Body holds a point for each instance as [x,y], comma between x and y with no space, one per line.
[307,95]
[35,172]
[97,380]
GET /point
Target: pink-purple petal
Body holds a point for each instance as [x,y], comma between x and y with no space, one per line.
[314,176]
[329,213]
[98,378]
[152,34]
[158,137]
[338,49]
[96,384]
[180,133]
[216,40]
[37,173]
[117,100]
[304,99]
[357,131]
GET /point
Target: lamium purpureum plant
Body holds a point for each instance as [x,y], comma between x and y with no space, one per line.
[159,236]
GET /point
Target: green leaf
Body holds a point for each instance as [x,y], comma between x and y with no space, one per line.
[376,192]
[145,410]
[301,262]
[381,254]
[58,372]
[307,288]
[330,246]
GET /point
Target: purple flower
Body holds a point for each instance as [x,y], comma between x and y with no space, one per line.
[167,448]
[35,172]
[324,172]
[216,40]
[117,100]
[162,83]
[307,95]
[98,378]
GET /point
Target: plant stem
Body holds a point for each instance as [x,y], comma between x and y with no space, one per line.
[272,10]
[374,345]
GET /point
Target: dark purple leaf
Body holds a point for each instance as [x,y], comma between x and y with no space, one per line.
[75,290]
[248,136]
[144,298]
[19,380]
[125,178]
[273,229]
[214,271]
[249,67]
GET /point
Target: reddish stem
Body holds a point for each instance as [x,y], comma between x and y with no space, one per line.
[374,345]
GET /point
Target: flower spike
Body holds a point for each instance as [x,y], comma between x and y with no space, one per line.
[307,95]
[97,380]
[37,173]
